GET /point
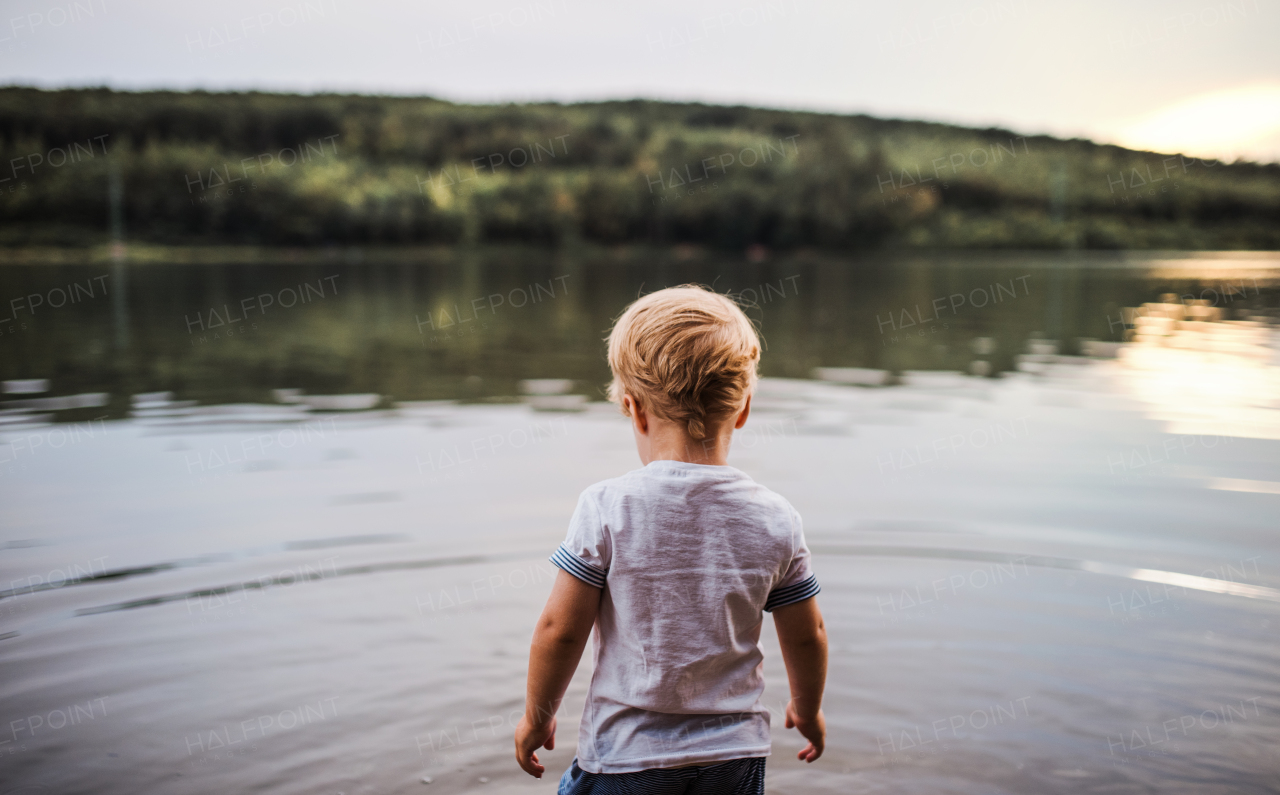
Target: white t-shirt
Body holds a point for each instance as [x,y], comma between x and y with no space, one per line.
[688,555]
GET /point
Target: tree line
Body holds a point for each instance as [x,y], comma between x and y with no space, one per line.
[203,168]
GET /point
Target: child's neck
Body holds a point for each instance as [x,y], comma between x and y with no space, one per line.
[669,441]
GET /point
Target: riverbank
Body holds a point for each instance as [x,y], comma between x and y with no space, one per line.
[326,169]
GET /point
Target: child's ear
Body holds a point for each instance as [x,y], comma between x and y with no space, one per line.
[636,412]
[742,416]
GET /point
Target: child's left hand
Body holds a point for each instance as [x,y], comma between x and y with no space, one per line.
[530,737]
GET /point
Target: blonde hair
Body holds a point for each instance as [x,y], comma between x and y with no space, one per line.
[686,353]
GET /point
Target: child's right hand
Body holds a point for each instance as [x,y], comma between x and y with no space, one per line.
[812,729]
[529,738]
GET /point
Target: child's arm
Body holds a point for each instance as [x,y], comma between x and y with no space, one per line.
[557,646]
[804,650]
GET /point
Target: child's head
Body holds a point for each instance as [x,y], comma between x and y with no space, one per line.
[685,354]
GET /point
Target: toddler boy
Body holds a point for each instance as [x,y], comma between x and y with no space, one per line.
[673,566]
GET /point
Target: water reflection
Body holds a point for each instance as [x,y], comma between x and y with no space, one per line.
[1202,373]
[471,327]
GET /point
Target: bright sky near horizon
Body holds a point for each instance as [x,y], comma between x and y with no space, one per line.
[1194,76]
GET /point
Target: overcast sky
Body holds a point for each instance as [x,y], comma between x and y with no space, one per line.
[1180,75]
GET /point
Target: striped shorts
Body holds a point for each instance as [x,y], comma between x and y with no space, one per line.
[735,777]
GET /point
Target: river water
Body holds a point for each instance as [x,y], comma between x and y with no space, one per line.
[255,544]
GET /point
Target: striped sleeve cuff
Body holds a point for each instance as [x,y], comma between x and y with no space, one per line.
[579,568]
[781,597]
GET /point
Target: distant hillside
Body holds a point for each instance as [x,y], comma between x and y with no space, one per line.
[201,168]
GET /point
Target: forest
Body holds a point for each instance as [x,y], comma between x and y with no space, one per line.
[261,169]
